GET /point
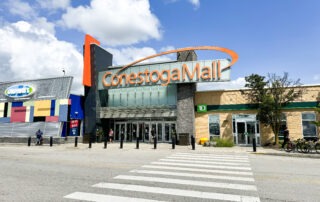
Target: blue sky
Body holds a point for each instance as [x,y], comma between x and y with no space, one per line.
[39,38]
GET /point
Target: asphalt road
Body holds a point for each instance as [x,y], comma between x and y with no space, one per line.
[65,173]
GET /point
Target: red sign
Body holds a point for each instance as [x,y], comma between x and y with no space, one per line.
[74,123]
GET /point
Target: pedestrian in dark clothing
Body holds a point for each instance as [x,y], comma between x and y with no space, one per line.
[285,137]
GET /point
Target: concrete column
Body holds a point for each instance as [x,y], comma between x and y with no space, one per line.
[185,99]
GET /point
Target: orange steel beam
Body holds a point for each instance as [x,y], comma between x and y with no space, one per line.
[86,79]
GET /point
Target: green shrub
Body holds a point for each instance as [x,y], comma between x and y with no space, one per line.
[224,143]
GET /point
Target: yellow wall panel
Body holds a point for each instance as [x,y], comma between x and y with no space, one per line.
[42,108]
[1,109]
[64,101]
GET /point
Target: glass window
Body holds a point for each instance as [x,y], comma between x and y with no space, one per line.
[309,129]
[214,125]
[283,125]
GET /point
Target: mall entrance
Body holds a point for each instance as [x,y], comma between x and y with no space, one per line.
[131,130]
[245,127]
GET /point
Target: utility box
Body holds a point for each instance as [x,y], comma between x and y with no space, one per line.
[184,139]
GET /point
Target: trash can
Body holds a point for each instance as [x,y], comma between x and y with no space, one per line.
[184,139]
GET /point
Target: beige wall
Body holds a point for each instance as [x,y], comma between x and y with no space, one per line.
[294,117]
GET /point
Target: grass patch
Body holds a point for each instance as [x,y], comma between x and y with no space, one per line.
[224,143]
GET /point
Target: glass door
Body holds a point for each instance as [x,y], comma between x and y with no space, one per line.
[146,132]
[241,132]
[159,132]
[120,130]
[251,131]
[134,131]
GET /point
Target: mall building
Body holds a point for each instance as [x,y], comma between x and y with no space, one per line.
[141,100]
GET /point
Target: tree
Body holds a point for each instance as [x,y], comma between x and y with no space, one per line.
[271,96]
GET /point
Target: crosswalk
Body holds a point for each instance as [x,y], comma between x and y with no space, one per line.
[181,177]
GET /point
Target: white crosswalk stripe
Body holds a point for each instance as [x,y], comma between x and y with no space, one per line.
[207,162]
[193,175]
[178,192]
[227,176]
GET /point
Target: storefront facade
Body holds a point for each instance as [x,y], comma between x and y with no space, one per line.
[228,115]
[45,104]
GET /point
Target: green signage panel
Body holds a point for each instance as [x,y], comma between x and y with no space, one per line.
[201,108]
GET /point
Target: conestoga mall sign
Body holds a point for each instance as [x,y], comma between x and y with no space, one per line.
[169,72]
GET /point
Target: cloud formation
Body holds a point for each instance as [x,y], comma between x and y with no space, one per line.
[114,23]
[231,85]
[31,51]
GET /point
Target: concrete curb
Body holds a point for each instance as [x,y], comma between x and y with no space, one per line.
[300,155]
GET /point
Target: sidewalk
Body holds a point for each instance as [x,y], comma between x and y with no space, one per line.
[166,147]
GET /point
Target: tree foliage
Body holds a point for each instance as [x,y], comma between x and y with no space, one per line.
[271,96]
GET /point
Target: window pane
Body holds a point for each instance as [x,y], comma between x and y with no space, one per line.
[214,125]
[309,129]
[308,116]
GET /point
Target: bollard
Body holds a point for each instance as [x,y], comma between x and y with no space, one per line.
[51,140]
[254,144]
[75,141]
[121,142]
[90,142]
[29,141]
[193,142]
[137,146]
[105,143]
[173,142]
[155,143]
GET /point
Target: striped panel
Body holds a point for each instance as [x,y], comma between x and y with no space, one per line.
[31,114]
[63,113]
[64,101]
[5,120]
[42,108]
[53,102]
[17,104]
[28,103]
[1,109]
[56,109]
[18,114]
[27,119]
[52,118]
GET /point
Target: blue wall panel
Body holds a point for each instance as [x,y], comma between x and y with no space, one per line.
[63,113]
[53,104]
[5,120]
[76,110]
[17,104]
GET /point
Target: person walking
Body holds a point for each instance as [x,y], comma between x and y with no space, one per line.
[111,135]
[285,137]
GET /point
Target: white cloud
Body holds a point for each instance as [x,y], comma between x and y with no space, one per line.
[114,23]
[54,4]
[195,3]
[30,51]
[22,9]
[127,55]
[316,77]
[234,84]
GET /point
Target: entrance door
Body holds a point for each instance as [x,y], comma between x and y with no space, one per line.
[245,131]
[146,135]
[120,129]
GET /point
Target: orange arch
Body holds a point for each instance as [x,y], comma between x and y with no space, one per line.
[234,55]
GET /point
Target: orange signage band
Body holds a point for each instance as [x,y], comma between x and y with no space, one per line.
[234,55]
[165,77]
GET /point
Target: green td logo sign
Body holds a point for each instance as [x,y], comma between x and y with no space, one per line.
[201,108]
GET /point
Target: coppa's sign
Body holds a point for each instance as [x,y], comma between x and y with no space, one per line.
[169,72]
[19,91]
